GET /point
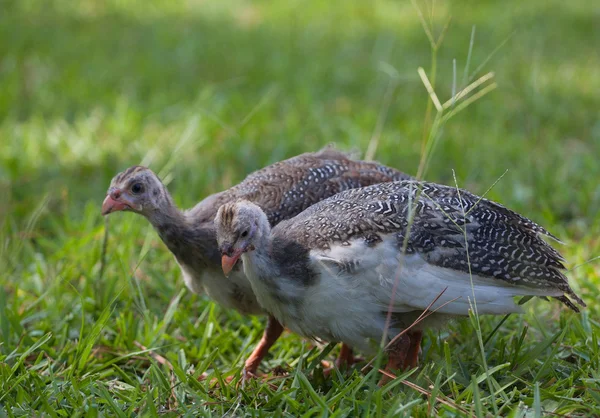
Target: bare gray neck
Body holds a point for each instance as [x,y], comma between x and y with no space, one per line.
[261,263]
[192,242]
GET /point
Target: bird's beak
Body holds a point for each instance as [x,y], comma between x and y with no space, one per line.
[227,263]
[111,205]
[116,201]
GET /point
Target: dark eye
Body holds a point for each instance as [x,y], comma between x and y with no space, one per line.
[137,188]
[245,234]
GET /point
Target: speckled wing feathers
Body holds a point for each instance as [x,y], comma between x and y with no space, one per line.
[282,190]
[286,188]
[502,244]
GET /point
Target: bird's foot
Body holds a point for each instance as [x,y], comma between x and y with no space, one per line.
[251,375]
[247,377]
[340,364]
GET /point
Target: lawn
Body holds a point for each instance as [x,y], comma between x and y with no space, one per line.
[95,319]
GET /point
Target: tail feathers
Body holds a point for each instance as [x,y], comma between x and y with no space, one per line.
[563,298]
[567,302]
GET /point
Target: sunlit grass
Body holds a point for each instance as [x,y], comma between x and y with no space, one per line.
[207,91]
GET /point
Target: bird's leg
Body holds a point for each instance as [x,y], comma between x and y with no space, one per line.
[397,355]
[412,356]
[346,357]
[271,334]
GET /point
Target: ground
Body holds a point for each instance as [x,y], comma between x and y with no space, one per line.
[95,319]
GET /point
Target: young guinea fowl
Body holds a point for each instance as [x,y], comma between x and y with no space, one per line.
[282,190]
[335,271]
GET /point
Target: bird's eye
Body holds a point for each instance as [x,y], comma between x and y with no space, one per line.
[137,188]
[245,234]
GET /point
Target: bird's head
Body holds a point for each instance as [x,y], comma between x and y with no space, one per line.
[136,189]
[240,227]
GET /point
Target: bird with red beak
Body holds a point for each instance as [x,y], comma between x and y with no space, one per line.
[282,190]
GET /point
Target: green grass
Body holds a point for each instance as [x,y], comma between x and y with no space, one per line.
[206,91]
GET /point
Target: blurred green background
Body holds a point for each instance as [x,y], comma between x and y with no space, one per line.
[206,91]
[91,87]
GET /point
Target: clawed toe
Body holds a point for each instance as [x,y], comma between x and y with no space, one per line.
[247,377]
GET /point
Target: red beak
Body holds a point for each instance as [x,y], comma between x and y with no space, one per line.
[111,205]
[227,263]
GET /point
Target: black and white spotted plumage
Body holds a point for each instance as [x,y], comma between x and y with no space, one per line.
[335,270]
[501,243]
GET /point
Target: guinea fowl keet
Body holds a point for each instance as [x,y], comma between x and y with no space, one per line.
[334,271]
[282,190]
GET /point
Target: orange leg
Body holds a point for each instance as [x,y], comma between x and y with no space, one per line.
[346,357]
[412,356]
[344,360]
[398,354]
[271,334]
